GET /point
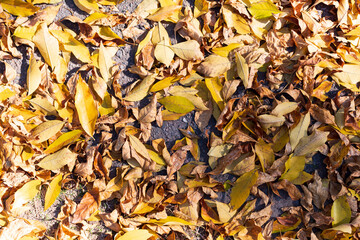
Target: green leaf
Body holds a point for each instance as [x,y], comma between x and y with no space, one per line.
[263,9]
[242,187]
[53,191]
[177,104]
[340,211]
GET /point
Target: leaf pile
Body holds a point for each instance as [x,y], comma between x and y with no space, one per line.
[279,78]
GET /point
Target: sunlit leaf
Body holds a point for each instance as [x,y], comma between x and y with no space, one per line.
[33,77]
[26,193]
[46,130]
[58,159]
[63,140]
[85,107]
[18,7]
[53,191]
[177,104]
[105,63]
[139,234]
[189,50]
[263,9]
[141,90]
[88,6]
[47,45]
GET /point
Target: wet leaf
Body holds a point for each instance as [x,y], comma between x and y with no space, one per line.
[53,191]
[85,107]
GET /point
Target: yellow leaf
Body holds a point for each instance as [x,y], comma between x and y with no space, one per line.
[200,7]
[156,158]
[215,87]
[47,45]
[33,77]
[267,120]
[72,45]
[310,144]
[340,211]
[189,50]
[243,70]
[5,93]
[141,90]
[265,154]
[138,234]
[85,107]
[46,130]
[26,193]
[88,6]
[139,147]
[46,1]
[53,191]
[105,64]
[63,140]
[164,83]
[224,51]
[168,13]
[300,130]
[263,9]
[235,20]
[26,32]
[242,187]
[163,53]
[43,105]
[94,17]
[284,108]
[18,7]
[293,167]
[177,104]
[170,116]
[160,34]
[106,107]
[58,160]
[170,221]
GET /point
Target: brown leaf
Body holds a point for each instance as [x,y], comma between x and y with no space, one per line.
[87,206]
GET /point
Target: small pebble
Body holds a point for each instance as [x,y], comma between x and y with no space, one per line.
[184,120]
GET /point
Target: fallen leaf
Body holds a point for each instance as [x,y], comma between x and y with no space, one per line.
[53,191]
[263,9]
[85,107]
[242,187]
[63,140]
[46,130]
[47,45]
[33,77]
[141,90]
[138,234]
[177,104]
[214,66]
[88,6]
[105,64]
[26,193]
[89,203]
[340,211]
[18,7]
[311,143]
[189,50]
[58,159]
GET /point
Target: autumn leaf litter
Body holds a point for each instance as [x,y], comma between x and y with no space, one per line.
[177,120]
